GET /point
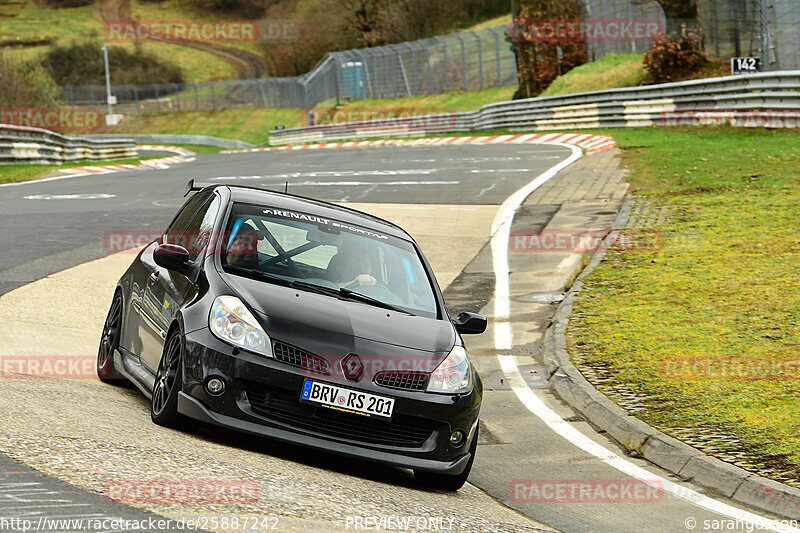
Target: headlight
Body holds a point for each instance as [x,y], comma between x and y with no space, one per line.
[232,322]
[453,375]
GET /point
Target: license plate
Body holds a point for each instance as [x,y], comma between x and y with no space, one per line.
[347,400]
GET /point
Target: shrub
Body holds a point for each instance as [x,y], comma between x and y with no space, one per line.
[25,84]
[675,56]
[82,64]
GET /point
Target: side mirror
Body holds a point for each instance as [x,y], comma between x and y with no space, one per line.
[470,323]
[172,257]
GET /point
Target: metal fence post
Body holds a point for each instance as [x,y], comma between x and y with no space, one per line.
[445,75]
[497,54]
[480,59]
[360,54]
[399,55]
[196,97]
[428,65]
[213,99]
[385,90]
[463,59]
[261,84]
[414,75]
[158,99]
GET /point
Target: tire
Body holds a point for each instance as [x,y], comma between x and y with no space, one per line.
[109,341]
[169,382]
[446,481]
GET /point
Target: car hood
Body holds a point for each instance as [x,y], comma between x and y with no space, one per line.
[326,325]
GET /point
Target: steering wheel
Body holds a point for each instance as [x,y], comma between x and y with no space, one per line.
[296,272]
[355,284]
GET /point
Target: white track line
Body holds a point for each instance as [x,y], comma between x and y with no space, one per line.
[501,227]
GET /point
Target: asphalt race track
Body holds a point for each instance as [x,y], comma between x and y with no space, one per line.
[80,435]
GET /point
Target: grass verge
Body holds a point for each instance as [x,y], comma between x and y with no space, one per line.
[623,70]
[25,20]
[254,124]
[247,124]
[705,327]
[17,173]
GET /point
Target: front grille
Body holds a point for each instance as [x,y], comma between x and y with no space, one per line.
[280,406]
[291,355]
[402,380]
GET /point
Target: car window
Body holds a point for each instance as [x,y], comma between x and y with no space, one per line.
[328,253]
[181,220]
[198,232]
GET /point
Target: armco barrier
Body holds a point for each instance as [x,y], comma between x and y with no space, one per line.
[162,138]
[767,99]
[21,144]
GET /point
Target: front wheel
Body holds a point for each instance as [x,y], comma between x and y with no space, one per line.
[169,381]
[447,481]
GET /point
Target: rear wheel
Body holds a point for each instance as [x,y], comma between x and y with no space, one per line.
[448,481]
[109,342]
[169,381]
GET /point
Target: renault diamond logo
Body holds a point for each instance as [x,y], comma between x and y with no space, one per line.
[353,367]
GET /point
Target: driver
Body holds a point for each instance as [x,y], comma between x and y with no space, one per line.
[243,252]
[357,270]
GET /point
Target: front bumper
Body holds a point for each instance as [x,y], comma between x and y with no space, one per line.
[262,398]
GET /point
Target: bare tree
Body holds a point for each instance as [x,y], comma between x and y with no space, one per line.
[540,61]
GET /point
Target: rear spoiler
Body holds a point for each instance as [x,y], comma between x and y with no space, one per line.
[194,186]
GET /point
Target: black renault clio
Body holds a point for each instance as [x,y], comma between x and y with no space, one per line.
[301,321]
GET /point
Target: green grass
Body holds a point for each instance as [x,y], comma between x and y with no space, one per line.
[247,124]
[721,285]
[624,70]
[27,21]
[491,23]
[434,103]
[16,173]
[254,124]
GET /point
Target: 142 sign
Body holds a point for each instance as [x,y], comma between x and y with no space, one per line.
[745,65]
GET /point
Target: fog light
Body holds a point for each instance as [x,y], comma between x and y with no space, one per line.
[215,386]
[457,438]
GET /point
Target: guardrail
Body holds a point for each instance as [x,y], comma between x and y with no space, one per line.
[767,99]
[165,138]
[21,144]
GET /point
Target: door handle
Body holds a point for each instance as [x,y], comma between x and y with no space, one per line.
[153,277]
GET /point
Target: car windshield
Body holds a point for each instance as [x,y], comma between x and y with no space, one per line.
[317,252]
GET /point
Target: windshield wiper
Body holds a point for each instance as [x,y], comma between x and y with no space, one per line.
[340,292]
[260,274]
[313,287]
[347,293]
